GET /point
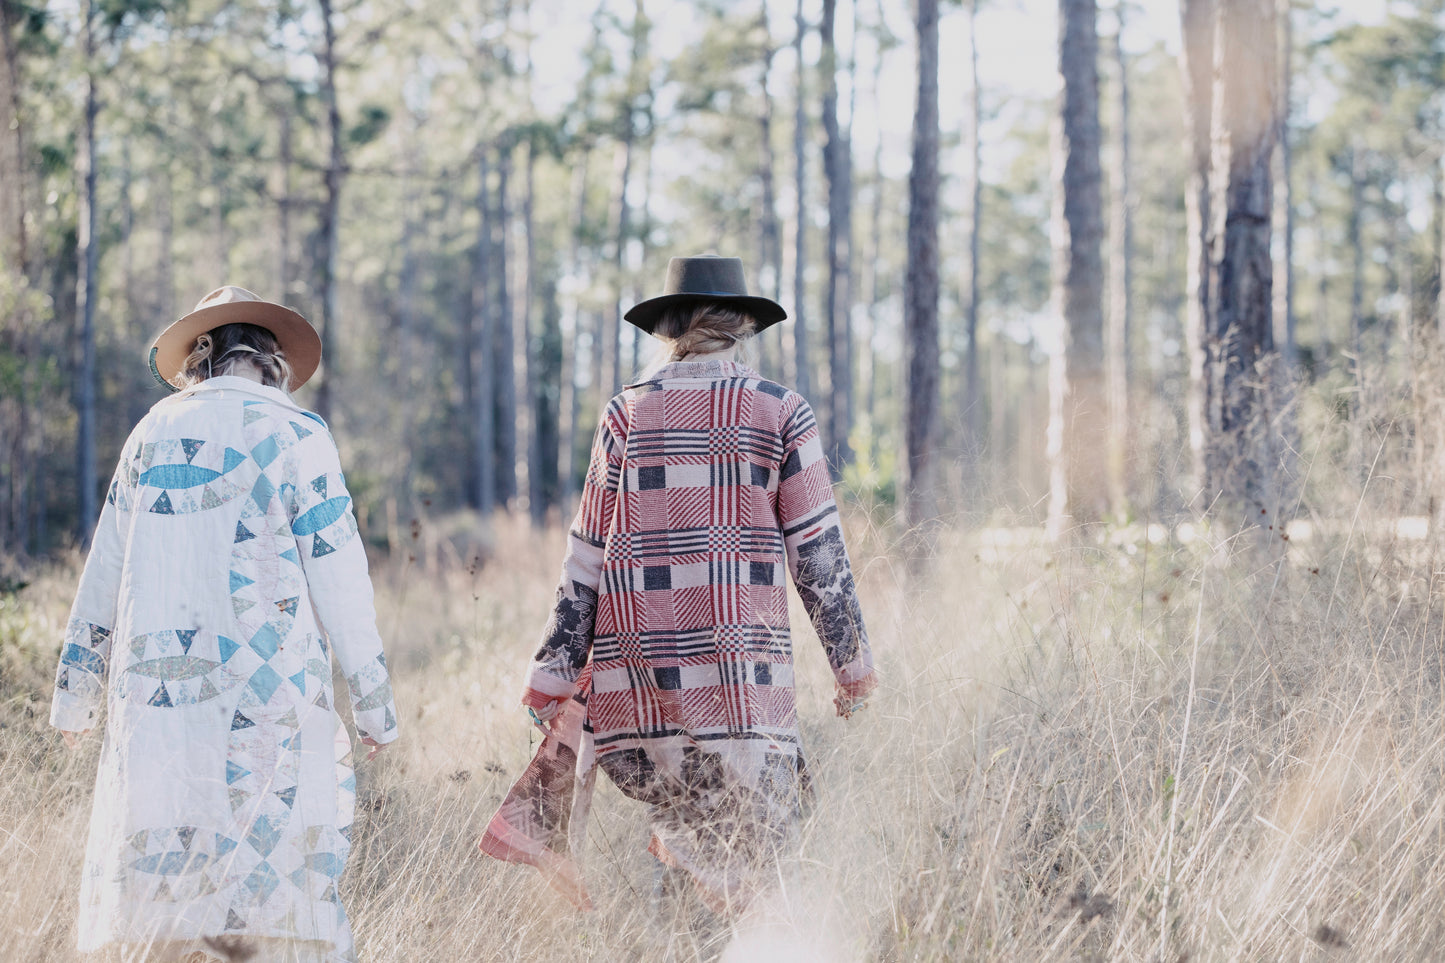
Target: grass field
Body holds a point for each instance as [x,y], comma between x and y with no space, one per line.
[1132,750]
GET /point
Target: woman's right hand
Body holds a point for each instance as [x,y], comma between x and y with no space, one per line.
[543,716]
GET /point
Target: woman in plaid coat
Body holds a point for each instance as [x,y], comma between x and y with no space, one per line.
[667,662]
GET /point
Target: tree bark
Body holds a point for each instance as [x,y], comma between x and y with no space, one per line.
[1078,430]
[406,320]
[87,264]
[14,246]
[770,243]
[1118,362]
[973,186]
[622,228]
[1197,19]
[284,203]
[330,215]
[504,376]
[531,341]
[837,167]
[483,420]
[803,368]
[920,299]
[1241,453]
[1284,319]
[571,403]
[1354,239]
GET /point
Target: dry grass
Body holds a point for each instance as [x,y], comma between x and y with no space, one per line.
[1127,751]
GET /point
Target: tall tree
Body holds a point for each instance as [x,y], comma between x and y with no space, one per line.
[1240,450]
[87,265]
[770,238]
[504,374]
[1284,320]
[484,475]
[920,297]
[329,233]
[803,367]
[973,187]
[1117,358]
[14,246]
[1078,477]
[1197,73]
[838,168]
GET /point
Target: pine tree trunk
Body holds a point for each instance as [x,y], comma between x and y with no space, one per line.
[88,259]
[283,208]
[1078,428]
[837,167]
[330,215]
[803,368]
[1118,363]
[868,370]
[920,297]
[1241,449]
[1284,320]
[504,383]
[1197,72]
[571,399]
[531,341]
[483,420]
[406,323]
[622,228]
[14,246]
[770,244]
[973,444]
[1356,244]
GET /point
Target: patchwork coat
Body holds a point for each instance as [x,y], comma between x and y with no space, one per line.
[669,641]
[225,573]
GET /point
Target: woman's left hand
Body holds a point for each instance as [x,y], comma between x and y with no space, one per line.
[74,739]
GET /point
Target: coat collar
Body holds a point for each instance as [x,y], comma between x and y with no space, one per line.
[700,369]
[231,384]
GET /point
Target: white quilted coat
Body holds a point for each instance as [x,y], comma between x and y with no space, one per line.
[225,573]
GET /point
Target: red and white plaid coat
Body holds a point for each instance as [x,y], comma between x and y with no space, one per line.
[669,640]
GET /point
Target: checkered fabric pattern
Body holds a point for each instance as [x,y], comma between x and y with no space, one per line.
[706,485]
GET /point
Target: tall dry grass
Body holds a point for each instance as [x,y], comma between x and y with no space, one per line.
[1140,748]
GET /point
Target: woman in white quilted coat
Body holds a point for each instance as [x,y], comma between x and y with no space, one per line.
[224,575]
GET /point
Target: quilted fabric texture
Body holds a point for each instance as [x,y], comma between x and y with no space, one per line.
[224,574]
[707,487]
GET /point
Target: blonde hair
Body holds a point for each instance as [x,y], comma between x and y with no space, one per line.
[217,351]
[702,328]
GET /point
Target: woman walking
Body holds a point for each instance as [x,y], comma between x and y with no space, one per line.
[225,572]
[667,661]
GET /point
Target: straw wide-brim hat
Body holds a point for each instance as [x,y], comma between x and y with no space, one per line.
[298,340]
[706,277]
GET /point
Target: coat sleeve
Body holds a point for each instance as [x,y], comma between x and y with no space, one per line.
[334,560]
[567,637]
[817,557]
[85,654]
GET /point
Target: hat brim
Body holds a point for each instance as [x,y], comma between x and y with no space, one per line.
[298,340]
[766,311]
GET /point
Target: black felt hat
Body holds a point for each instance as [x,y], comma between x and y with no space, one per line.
[706,277]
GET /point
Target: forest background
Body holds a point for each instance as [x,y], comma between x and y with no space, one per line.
[1123,324]
[465,200]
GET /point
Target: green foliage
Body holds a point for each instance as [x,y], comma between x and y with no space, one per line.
[369,125]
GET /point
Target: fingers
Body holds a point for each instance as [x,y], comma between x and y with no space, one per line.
[74,739]
[847,704]
[376,747]
[544,717]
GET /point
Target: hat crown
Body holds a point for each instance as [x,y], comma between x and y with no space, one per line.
[706,274]
[226,294]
